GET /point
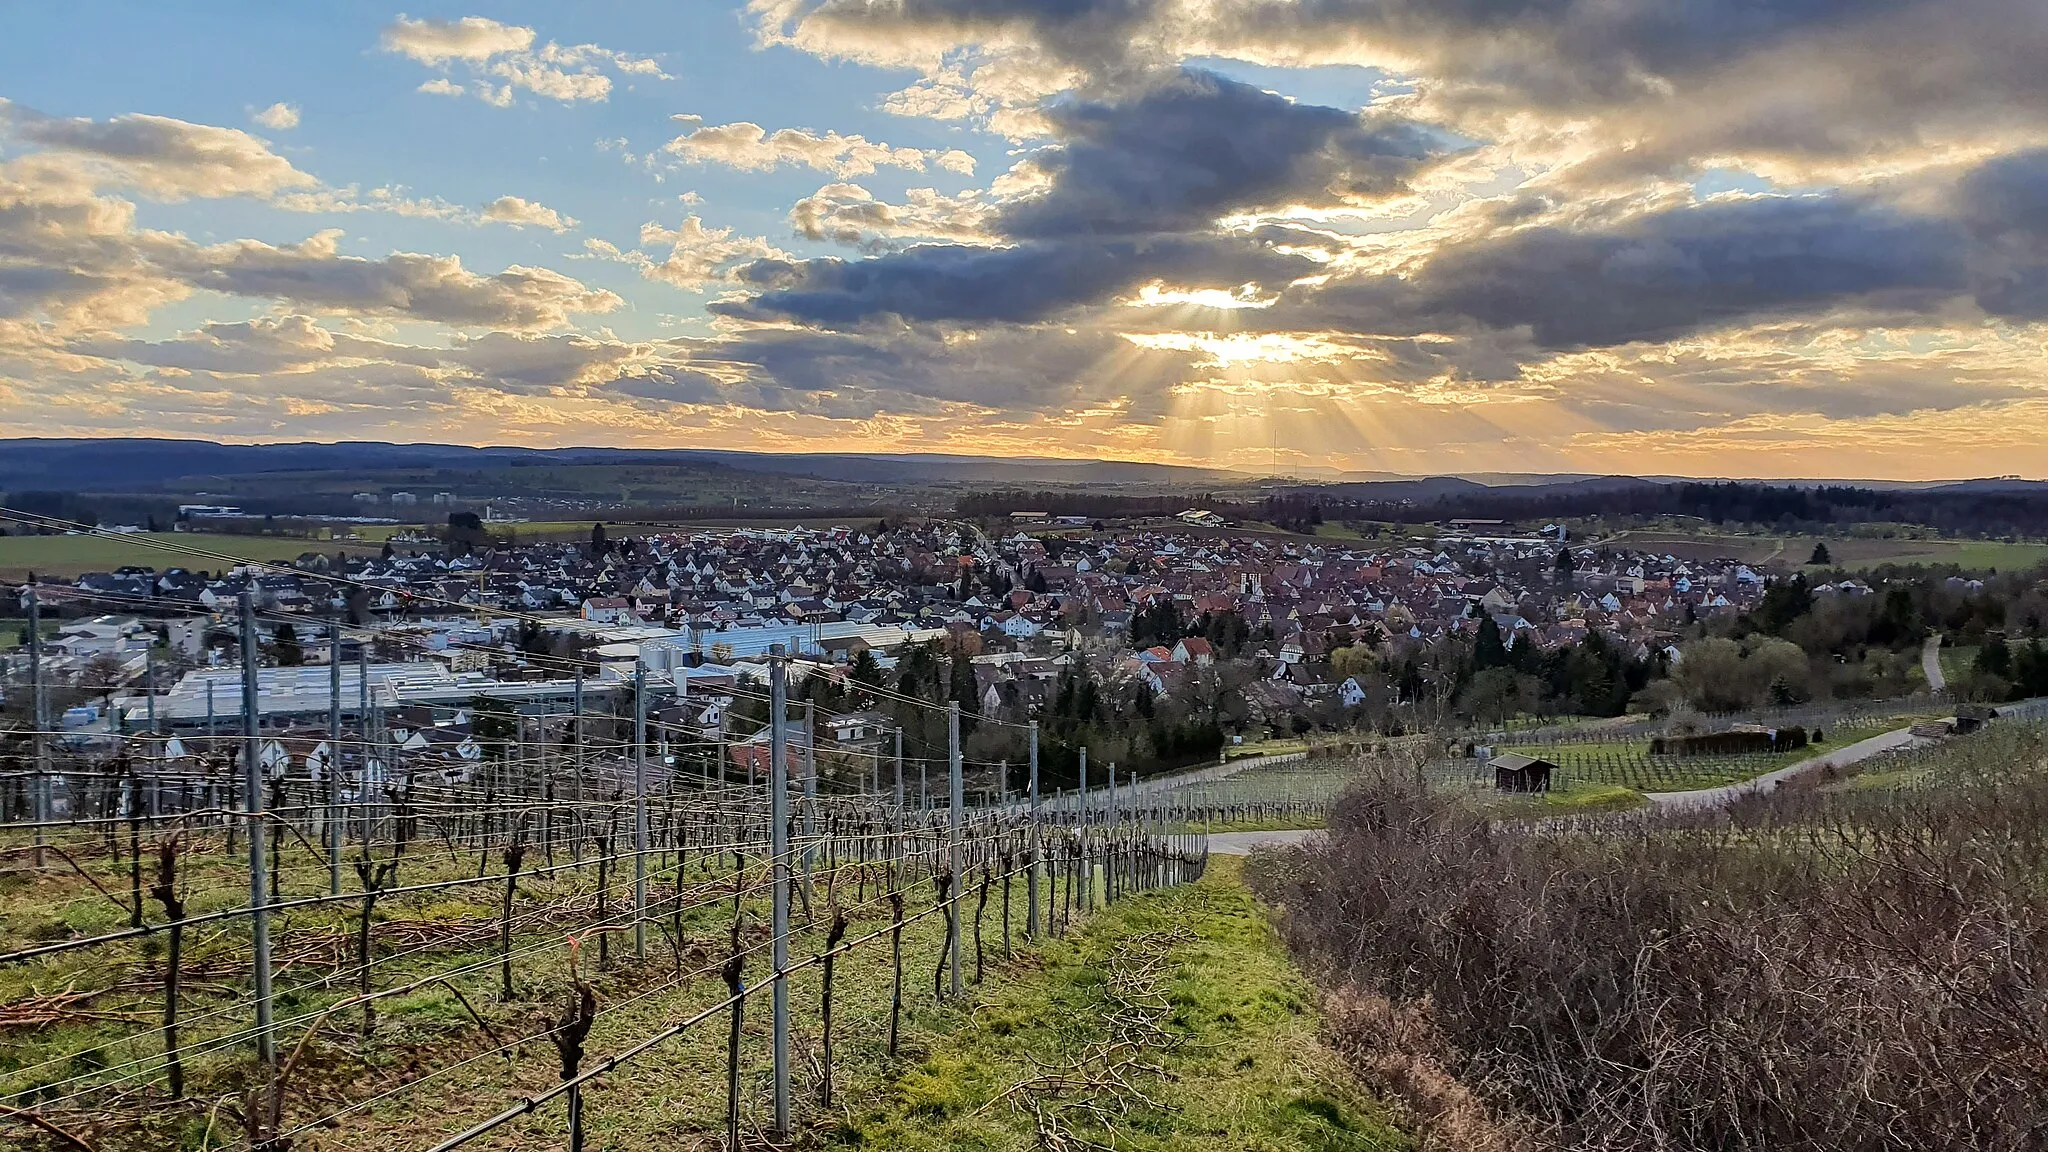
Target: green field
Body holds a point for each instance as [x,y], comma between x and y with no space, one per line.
[64,557]
[1855,553]
[12,628]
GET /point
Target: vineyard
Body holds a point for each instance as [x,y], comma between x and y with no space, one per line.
[217,955]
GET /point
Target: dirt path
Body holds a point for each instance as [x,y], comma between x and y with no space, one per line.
[1242,843]
[1839,758]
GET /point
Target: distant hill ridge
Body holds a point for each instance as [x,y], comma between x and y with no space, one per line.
[144,463]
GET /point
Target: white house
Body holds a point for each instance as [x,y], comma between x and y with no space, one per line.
[607,610]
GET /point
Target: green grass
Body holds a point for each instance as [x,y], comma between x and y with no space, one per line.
[1624,763]
[1250,1074]
[1853,553]
[1265,748]
[12,629]
[1957,659]
[1270,823]
[1578,796]
[1246,1069]
[67,556]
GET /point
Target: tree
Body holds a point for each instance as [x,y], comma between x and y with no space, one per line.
[465,533]
[1784,601]
[1898,624]
[1564,564]
[494,725]
[866,670]
[101,675]
[1711,675]
[1782,667]
[1488,651]
[1820,553]
[1497,694]
[286,643]
[599,545]
[1352,660]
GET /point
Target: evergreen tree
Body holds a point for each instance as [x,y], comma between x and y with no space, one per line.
[1783,602]
[599,544]
[1820,553]
[866,670]
[1488,651]
[289,653]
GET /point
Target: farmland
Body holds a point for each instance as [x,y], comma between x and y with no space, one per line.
[67,556]
[418,974]
[1854,553]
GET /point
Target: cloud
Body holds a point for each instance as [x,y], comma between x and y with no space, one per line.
[850,215]
[2003,205]
[471,38]
[515,211]
[1669,273]
[1194,146]
[489,50]
[1130,195]
[752,148]
[697,256]
[1611,91]
[278,117]
[1023,283]
[163,158]
[1845,258]
[402,285]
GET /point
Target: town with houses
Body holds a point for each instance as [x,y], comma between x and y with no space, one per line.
[694,614]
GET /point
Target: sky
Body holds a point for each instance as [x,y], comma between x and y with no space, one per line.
[1751,238]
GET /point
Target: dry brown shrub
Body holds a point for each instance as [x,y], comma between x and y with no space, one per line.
[1810,972]
[1396,1052]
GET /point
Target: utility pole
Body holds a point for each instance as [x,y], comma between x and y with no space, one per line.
[899,793]
[1031,876]
[639,810]
[954,804]
[156,766]
[810,791]
[576,763]
[252,805]
[333,766]
[778,850]
[1081,832]
[362,805]
[39,699]
[1109,831]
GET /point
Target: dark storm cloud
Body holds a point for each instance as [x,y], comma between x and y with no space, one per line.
[2004,203]
[1132,191]
[1031,281]
[1657,85]
[1197,146]
[1678,271]
[1018,370]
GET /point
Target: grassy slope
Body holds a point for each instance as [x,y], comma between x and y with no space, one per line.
[1250,1071]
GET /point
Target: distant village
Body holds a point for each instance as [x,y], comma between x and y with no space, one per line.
[1173,613]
